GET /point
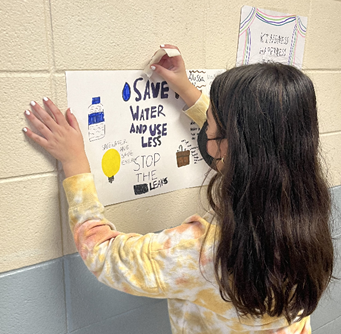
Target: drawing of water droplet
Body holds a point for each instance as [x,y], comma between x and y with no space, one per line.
[126,92]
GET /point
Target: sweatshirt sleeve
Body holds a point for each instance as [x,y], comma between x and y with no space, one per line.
[197,112]
[119,260]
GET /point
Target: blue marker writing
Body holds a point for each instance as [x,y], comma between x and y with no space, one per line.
[96,124]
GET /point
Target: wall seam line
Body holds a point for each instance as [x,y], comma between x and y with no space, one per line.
[27,177]
[67,296]
[328,323]
[53,88]
[50,35]
[325,134]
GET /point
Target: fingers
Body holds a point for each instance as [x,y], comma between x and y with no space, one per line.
[59,117]
[177,60]
[166,62]
[36,138]
[44,116]
[170,68]
[162,71]
[72,120]
[37,123]
[171,63]
[47,122]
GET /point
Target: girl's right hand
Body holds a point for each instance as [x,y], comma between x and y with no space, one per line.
[173,70]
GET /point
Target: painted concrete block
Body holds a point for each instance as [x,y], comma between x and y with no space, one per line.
[336,213]
[323,46]
[223,20]
[89,301]
[331,151]
[333,327]
[123,35]
[149,319]
[328,92]
[18,154]
[329,307]
[32,300]
[24,42]
[59,82]
[158,212]
[30,221]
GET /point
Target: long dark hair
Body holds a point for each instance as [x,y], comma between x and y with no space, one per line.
[272,203]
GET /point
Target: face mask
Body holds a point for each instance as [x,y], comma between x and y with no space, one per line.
[202,144]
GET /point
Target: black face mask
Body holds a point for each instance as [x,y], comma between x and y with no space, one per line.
[202,144]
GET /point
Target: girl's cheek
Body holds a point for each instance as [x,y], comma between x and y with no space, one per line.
[212,148]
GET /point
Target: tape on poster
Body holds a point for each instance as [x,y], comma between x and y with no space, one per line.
[157,57]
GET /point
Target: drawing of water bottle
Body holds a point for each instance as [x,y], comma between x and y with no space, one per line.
[96,129]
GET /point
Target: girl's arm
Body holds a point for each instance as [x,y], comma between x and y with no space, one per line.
[115,258]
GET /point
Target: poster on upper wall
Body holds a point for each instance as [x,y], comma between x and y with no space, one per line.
[138,140]
[268,36]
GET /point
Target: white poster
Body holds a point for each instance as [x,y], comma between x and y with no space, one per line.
[137,138]
[265,36]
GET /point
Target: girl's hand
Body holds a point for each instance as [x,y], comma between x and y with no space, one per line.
[60,136]
[173,70]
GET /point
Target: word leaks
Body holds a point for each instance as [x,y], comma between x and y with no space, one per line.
[141,163]
[111,163]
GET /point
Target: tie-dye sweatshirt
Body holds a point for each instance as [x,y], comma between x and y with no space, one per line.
[171,264]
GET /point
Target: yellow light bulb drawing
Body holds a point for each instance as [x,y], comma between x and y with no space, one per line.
[111,163]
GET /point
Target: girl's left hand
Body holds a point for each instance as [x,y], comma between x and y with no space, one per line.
[60,136]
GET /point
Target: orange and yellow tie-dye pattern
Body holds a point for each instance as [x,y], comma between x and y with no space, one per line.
[161,265]
[171,264]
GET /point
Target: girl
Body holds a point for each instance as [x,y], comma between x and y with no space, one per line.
[260,260]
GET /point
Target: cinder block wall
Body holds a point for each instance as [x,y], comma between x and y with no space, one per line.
[44,288]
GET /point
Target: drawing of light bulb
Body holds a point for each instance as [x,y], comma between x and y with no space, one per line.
[96,129]
[111,163]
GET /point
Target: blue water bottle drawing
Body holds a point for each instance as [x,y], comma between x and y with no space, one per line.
[96,129]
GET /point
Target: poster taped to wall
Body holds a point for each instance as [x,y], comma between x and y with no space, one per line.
[137,138]
[266,36]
